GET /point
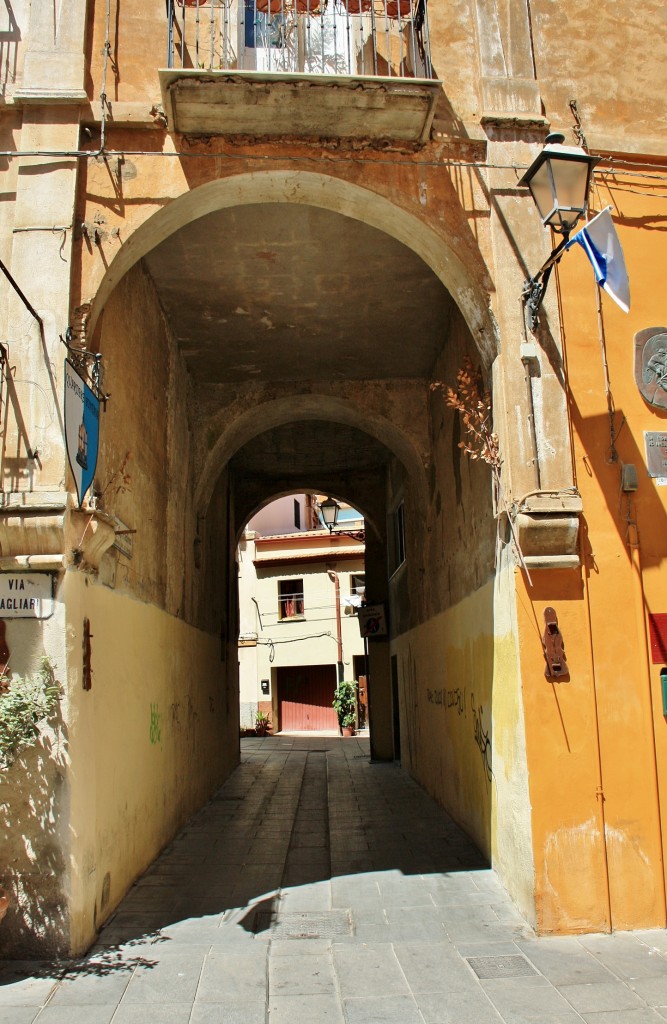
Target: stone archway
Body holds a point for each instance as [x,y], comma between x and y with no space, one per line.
[324,192]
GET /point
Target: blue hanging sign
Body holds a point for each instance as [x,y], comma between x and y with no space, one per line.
[82,430]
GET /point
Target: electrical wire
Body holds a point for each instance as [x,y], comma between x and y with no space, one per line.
[272,644]
[518,169]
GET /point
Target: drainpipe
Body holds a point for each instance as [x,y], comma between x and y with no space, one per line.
[333,576]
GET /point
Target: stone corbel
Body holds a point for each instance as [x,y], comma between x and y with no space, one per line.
[547,527]
[89,533]
[37,529]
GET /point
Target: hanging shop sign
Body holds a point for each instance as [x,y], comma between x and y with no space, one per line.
[372,620]
[656,455]
[82,429]
[26,595]
[651,365]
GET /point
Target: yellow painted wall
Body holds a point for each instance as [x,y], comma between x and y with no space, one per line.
[149,742]
[462,726]
[613,691]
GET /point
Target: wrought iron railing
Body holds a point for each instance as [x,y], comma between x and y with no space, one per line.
[326,37]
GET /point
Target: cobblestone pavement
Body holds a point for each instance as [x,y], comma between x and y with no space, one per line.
[317,887]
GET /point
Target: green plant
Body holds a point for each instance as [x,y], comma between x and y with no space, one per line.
[262,723]
[345,702]
[25,705]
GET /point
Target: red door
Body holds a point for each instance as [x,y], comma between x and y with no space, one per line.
[305,694]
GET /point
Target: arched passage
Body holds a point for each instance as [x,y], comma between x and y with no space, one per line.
[320,191]
[317,407]
[225,397]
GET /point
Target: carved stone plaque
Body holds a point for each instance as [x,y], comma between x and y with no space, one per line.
[656,454]
[651,365]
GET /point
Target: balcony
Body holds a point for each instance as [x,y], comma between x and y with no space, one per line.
[340,69]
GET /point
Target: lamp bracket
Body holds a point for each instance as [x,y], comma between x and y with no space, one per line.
[535,287]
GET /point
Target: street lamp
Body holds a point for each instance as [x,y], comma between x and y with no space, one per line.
[329,510]
[559,181]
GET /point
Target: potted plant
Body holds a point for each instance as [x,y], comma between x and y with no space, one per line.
[345,705]
[262,723]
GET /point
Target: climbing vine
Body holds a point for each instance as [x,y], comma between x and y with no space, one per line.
[473,402]
[26,703]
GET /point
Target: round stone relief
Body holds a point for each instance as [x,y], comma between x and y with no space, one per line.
[651,365]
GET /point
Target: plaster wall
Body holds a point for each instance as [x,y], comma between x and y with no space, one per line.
[462,730]
[35,803]
[150,741]
[597,743]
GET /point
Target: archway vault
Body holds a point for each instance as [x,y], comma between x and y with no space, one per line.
[324,192]
[314,408]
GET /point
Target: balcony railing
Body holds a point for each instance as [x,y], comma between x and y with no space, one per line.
[352,38]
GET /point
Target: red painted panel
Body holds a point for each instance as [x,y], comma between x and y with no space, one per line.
[305,694]
[658,628]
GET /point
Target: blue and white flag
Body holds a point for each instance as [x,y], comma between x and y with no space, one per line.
[82,429]
[600,242]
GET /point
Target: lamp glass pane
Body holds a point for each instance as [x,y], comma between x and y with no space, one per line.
[571,181]
[541,187]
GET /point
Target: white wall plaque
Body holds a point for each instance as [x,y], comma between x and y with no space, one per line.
[26,595]
[656,454]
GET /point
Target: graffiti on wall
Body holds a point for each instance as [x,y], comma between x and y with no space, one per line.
[455,700]
[155,731]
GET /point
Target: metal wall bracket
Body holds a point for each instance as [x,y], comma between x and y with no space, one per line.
[554,648]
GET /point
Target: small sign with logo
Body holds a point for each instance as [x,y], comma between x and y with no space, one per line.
[82,429]
[656,455]
[372,620]
[26,595]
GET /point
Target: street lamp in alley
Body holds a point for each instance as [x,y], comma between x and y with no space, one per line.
[329,510]
[559,181]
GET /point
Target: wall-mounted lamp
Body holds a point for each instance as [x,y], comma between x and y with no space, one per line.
[559,180]
[329,510]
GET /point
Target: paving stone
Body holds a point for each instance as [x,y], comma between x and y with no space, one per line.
[288,947]
[651,990]
[214,1013]
[77,1014]
[528,1000]
[564,961]
[169,981]
[25,991]
[234,979]
[626,955]
[314,1008]
[17,1014]
[414,924]
[155,1013]
[598,996]
[643,1016]
[387,1010]
[302,975]
[84,988]
[468,1006]
[433,967]
[368,970]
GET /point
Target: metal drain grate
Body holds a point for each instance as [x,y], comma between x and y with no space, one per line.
[511,966]
[327,925]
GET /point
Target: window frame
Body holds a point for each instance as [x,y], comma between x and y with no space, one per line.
[295,593]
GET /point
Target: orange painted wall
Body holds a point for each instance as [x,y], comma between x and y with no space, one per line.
[613,692]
